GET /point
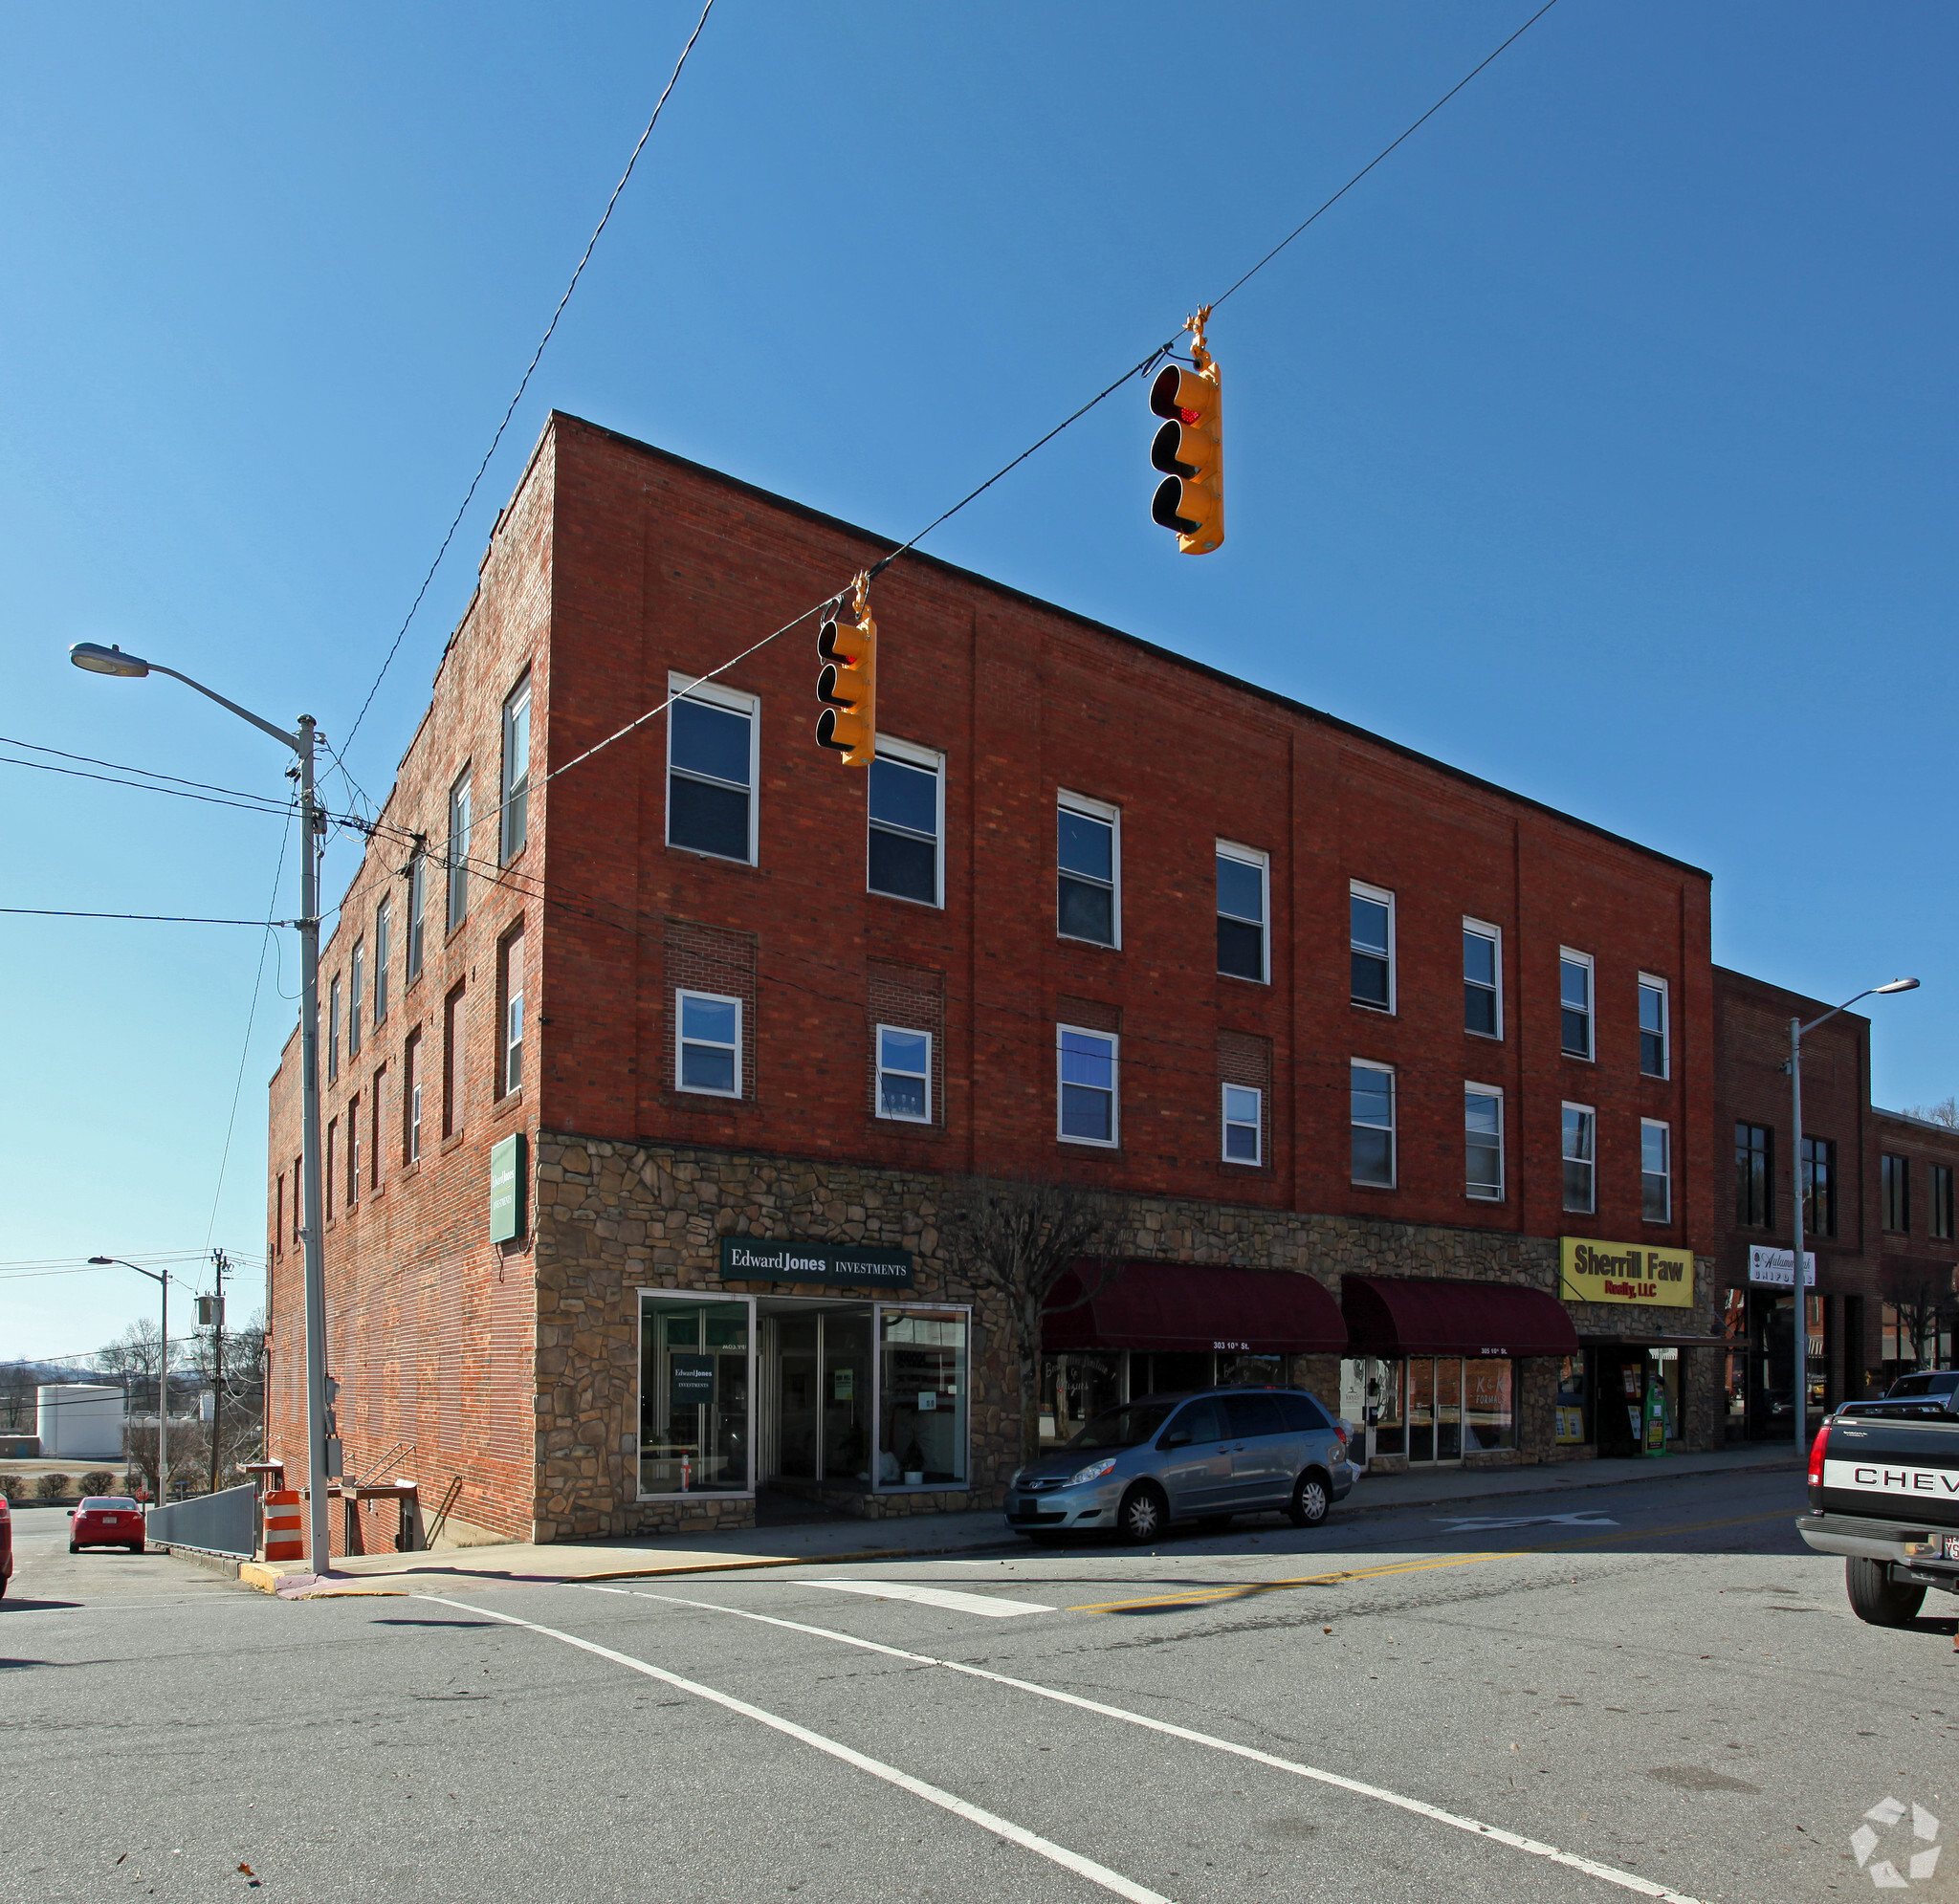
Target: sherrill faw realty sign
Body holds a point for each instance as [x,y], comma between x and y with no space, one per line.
[1595,1272]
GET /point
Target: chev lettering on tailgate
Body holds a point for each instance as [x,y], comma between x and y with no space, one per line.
[1893,1477]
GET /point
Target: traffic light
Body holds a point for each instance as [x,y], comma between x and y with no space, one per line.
[847,684]
[1189,449]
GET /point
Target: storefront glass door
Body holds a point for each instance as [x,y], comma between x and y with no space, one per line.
[922,1399]
[695,1435]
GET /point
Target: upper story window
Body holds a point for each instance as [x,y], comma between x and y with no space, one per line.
[711,755]
[1085,1085]
[907,819]
[357,974]
[1244,1114]
[1654,1054]
[1244,875]
[1483,968]
[514,781]
[412,1099]
[1089,858]
[383,935]
[1580,1158]
[1656,1172]
[510,985]
[459,856]
[1753,1176]
[707,1051]
[1371,1116]
[1371,934]
[1939,1217]
[1819,1186]
[1483,1142]
[418,893]
[1575,1003]
[1894,1176]
[333,1028]
[904,1073]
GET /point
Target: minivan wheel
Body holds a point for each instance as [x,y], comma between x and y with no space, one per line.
[1876,1598]
[1310,1500]
[1142,1515]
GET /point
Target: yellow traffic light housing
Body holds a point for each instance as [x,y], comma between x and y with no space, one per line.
[1189,447]
[847,684]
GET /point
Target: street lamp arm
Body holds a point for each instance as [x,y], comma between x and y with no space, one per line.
[102,1262]
[1869,992]
[243,713]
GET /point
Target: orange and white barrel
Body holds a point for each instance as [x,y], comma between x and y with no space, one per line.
[285,1531]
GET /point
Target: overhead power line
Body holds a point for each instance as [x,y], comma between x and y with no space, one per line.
[525,383]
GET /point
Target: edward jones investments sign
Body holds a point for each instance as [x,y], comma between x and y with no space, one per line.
[750,1259]
[1595,1272]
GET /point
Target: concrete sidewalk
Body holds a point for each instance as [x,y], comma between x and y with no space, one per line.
[852,1541]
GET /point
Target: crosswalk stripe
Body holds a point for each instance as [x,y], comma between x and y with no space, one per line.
[985,1605]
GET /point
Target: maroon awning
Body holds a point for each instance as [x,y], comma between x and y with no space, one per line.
[1185,1305]
[1393,1315]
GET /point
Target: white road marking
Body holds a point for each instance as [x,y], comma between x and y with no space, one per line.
[1626,1880]
[983,1603]
[1490,1523]
[987,1821]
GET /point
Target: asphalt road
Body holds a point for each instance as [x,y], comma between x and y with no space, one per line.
[1649,1690]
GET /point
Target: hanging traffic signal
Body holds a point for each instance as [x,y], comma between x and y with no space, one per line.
[1189,449]
[847,684]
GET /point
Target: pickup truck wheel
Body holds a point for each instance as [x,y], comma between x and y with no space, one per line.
[1876,1598]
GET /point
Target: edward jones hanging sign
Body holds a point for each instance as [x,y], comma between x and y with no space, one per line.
[1596,1272]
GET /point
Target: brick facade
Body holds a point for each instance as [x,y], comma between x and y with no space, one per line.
[616,568]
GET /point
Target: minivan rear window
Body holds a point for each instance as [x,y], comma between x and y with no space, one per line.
[1127,1427]
[1303,1414]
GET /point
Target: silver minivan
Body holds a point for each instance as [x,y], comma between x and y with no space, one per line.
[1205,1457]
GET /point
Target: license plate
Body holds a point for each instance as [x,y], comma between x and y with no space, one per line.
[1952,1547]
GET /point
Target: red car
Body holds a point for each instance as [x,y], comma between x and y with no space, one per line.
[7,1543]
[106,1521]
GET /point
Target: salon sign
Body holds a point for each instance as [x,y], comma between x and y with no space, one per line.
[751,1259]
[1596,1272]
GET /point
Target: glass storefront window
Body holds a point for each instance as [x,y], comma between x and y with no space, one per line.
[1573,1395]
[1421,1409]
[1236,1369]
[846,1396]
[923,1397]
[1448,1409]
[1489,1418]
[694,1433]
[1075,1388]
[1390,1426]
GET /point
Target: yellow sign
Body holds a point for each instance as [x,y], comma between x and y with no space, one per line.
[1595,1272]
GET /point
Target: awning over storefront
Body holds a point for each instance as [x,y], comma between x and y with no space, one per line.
[1392,1316]
[1188,1306]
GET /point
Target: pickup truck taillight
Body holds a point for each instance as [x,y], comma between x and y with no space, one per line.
[1817,1455]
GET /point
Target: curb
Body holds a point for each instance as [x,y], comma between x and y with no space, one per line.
[1782,1462]
[208,1558]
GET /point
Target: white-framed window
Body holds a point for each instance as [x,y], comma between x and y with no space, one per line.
[459,850]
[905,793]
[1483,979]
[1371,937]
[1656,1170]
[904,1072]
[383,933]
[1244,1123]
[510,983]
[714,735]
[1244,897]
[706,1046]
[356,978]
[1575,1003]
[411,1096]
[1089,870]
[418,893]
[1085,1068]
[1581,1158]
[1483,1142]
[1371,1088]
[332,1028]
[1655,1033]
[514,807]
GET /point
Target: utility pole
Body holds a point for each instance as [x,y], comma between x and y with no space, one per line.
[219,1263]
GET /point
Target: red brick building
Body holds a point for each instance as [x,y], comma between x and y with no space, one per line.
[1306,1002]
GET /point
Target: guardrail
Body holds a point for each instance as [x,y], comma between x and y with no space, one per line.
[224,1523]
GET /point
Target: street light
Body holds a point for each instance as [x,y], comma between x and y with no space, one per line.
[1800,1396]
[164,1377]
[112,661]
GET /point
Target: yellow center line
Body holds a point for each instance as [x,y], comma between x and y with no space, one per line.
[1199,1596]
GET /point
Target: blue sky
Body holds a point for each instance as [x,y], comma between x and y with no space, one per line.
[1598,442]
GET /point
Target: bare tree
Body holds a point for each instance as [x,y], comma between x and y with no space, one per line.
[133,1359]
[1922,1298]
[17,1384]
[1022,1238]
[1946,1111]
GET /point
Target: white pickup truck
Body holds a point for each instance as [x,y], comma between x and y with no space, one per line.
[1884,1493]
